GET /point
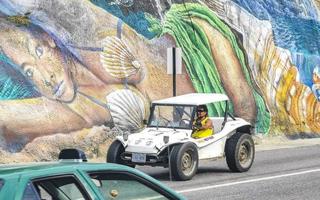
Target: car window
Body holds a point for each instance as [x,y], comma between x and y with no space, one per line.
[30,193]
[123,186]
[1,184]
[44,194]
[59,188]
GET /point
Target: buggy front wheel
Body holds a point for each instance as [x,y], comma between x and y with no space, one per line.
[114,154]
[184,161]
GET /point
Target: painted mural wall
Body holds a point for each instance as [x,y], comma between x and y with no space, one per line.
[66,66]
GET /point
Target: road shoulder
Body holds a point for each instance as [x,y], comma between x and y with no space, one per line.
[264,143]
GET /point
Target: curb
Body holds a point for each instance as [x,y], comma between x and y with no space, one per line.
[281,142]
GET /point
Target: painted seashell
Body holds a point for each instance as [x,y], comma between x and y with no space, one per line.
[117,58]
[217,6]
[127,109]
[293,106]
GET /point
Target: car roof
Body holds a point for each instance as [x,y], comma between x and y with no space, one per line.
[193,99]
[55,167]
[49,169]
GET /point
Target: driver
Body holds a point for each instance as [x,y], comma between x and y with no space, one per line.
[202,125]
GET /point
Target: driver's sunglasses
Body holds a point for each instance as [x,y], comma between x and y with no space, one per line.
[200,111]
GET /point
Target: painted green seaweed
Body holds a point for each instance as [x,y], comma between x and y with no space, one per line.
[199,62]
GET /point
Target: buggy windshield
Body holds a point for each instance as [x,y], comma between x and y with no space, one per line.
[171,116]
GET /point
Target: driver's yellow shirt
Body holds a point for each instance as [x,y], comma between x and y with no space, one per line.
[202,133]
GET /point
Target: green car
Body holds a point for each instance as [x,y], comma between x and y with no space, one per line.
[77,180]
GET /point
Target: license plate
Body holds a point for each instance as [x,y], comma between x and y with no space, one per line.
[139,157]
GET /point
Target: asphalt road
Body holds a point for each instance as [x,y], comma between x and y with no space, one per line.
[292,173]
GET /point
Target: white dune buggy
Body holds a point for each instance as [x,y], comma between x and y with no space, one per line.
[167,141]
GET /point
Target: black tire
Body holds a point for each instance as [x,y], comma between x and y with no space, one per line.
[184,161]
[240,152]
[114,152]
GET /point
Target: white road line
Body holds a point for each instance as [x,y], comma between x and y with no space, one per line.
[248,181]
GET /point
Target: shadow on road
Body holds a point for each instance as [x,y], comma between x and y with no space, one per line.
[162,174]
[202,170]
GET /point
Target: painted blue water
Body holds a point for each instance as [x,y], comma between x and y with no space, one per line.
[295,25]
[136,20]
[268,9]
[13,85]
[297,34]
[306,64]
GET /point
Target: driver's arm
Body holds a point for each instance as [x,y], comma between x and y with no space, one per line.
[207,125]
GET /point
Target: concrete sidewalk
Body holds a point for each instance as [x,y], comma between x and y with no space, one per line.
[264,143]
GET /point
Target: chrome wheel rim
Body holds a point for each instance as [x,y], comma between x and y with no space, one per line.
[245,154]
[188,163]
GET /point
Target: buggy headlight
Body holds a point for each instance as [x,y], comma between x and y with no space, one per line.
[149,142]
[137,141]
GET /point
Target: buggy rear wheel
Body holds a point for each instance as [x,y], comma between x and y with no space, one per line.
[240,152]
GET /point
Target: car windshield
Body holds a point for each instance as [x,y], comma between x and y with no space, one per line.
[171,116]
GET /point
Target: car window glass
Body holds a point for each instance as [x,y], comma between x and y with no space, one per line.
[43,193]
[30,193]
[60,188]
[1,184]
[123,187]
